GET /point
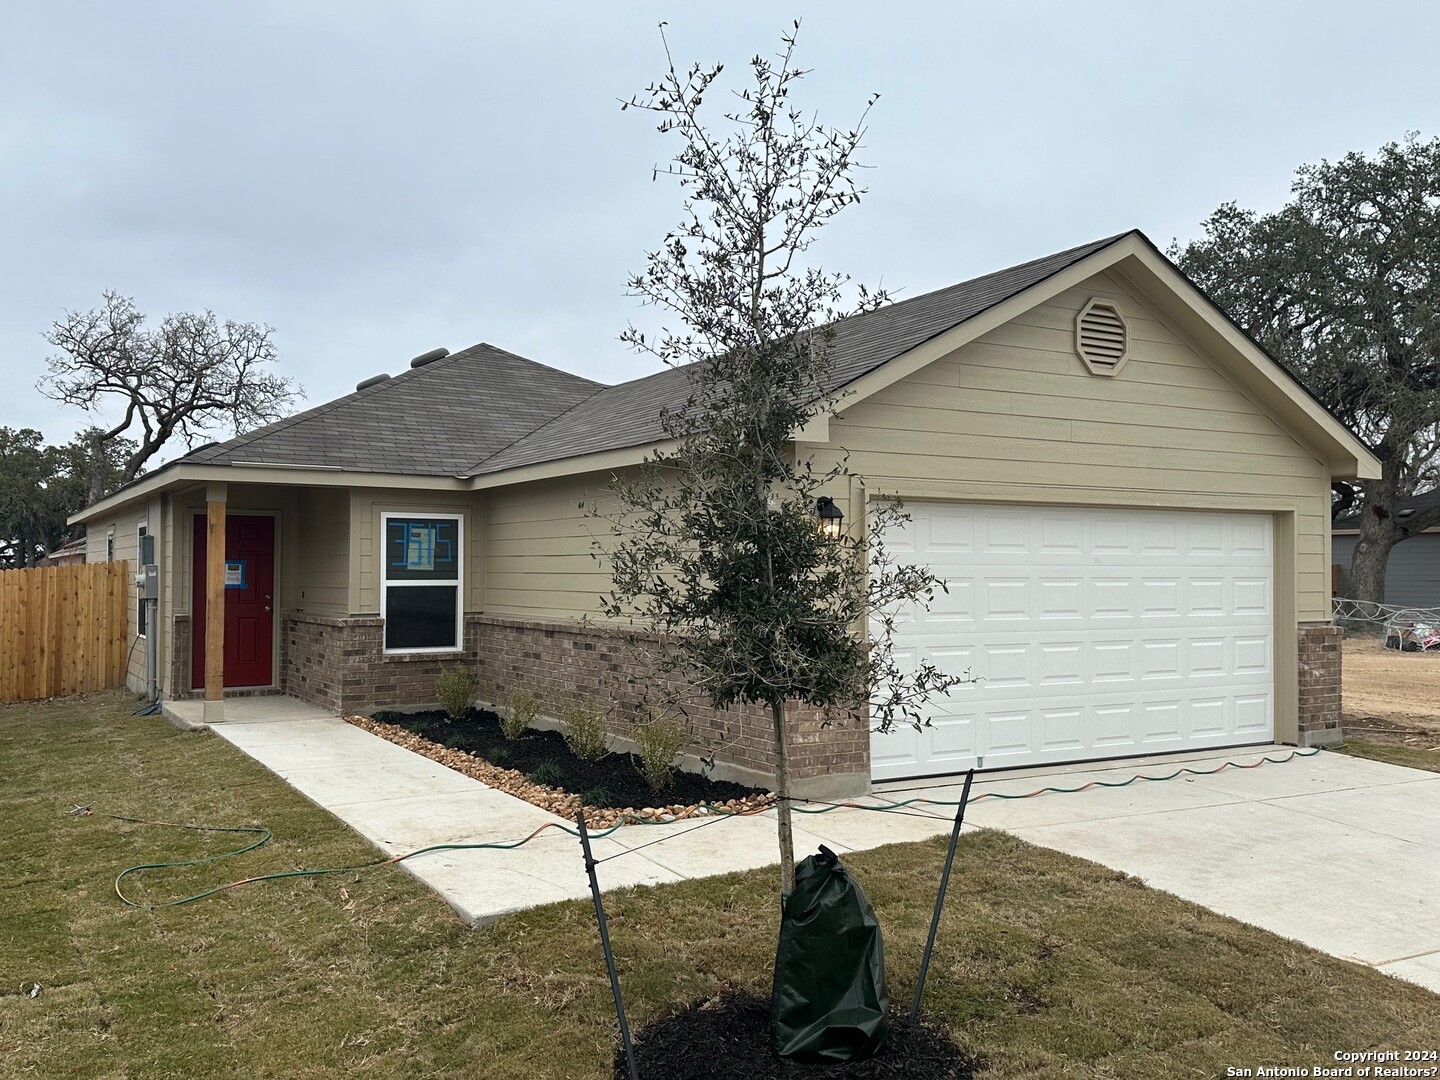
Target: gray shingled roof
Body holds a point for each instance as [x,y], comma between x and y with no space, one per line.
[628,414]
[436,420]
[484,410]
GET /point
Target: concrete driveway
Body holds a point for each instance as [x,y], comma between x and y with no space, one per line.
[1338,852]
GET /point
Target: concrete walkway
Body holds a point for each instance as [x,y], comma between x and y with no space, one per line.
[1338,852]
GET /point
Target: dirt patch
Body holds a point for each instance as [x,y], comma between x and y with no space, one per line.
[1390,696]
[728,1038]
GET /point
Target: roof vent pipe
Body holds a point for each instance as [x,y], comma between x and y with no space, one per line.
[374,380]
[429,357]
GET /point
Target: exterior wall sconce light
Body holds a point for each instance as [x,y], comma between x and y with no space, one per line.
[831,518]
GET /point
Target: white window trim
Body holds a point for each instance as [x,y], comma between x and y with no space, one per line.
[141,529]
[386,584]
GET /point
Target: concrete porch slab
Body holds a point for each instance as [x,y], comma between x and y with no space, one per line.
[262,709]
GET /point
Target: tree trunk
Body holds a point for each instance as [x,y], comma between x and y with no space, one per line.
[95,461]
[1378,534]
[782,806]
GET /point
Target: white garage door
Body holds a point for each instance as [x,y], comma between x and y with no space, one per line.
[1096,633]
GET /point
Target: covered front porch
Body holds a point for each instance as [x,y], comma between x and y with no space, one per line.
[280,590]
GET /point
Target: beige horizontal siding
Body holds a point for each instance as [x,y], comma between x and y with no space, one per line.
[366,506]
[1012,415]
[1016,414]
[541,542]
[322,540]
[127,549]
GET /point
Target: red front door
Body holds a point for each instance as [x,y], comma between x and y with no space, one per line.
[249,601]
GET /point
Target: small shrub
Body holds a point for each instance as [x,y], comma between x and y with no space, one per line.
[455,690]
[389,716]
[658,743]
[546,774]
[518,713]
[498,755]
[597,797]
[583,727]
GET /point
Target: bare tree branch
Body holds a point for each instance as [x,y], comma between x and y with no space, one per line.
[186,378]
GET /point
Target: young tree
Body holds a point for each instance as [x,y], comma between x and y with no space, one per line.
[1342,285]
[179,380]
[715,545]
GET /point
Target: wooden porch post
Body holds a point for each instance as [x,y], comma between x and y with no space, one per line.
[214,708]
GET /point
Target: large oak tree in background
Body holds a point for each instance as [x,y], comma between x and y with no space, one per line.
[180,380]
[717,545]
[1342,285]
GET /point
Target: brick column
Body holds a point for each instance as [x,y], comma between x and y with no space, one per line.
[1319,684]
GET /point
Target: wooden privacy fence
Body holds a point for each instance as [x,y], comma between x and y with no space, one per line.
[64,629]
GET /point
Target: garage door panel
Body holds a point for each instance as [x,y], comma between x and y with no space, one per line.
[1207,717]
[1251,596]
[1095,632]
[1160,721]
[1062,729]
[1253,715]
[952,737]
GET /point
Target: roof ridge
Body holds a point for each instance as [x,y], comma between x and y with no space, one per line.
[1066,257]
[532,363]
[240,441]
[1088,248]
[286,422]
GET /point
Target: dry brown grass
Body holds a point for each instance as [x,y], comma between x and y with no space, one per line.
[1046,966]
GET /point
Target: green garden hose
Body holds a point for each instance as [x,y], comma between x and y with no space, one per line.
[263,835]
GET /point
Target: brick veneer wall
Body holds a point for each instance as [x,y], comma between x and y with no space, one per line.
[1319,683]
[180,657]
[562,661]
[180,666]
[338,663]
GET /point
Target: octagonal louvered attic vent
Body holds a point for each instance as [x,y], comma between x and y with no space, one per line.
[1102,337]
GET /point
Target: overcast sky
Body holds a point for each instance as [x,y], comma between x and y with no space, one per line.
[375,180]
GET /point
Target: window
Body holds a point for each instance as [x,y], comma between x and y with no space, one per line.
[143,618]
[110,545]
[420,595]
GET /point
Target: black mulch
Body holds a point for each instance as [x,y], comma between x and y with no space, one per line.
[728,1038]
[615,779]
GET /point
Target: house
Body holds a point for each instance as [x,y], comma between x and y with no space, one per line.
[1129,499]
[70,553]
[1412,577]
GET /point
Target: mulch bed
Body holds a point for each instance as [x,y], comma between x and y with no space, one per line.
[468,745]
[728,1038]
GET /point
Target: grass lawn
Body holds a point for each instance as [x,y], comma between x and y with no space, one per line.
[1046,966]
[1413,757]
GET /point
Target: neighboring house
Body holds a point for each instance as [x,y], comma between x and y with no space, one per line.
[1412,577]
[70,553]
[1129,499]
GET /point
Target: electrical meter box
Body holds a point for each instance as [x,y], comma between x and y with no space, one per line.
[150,590]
